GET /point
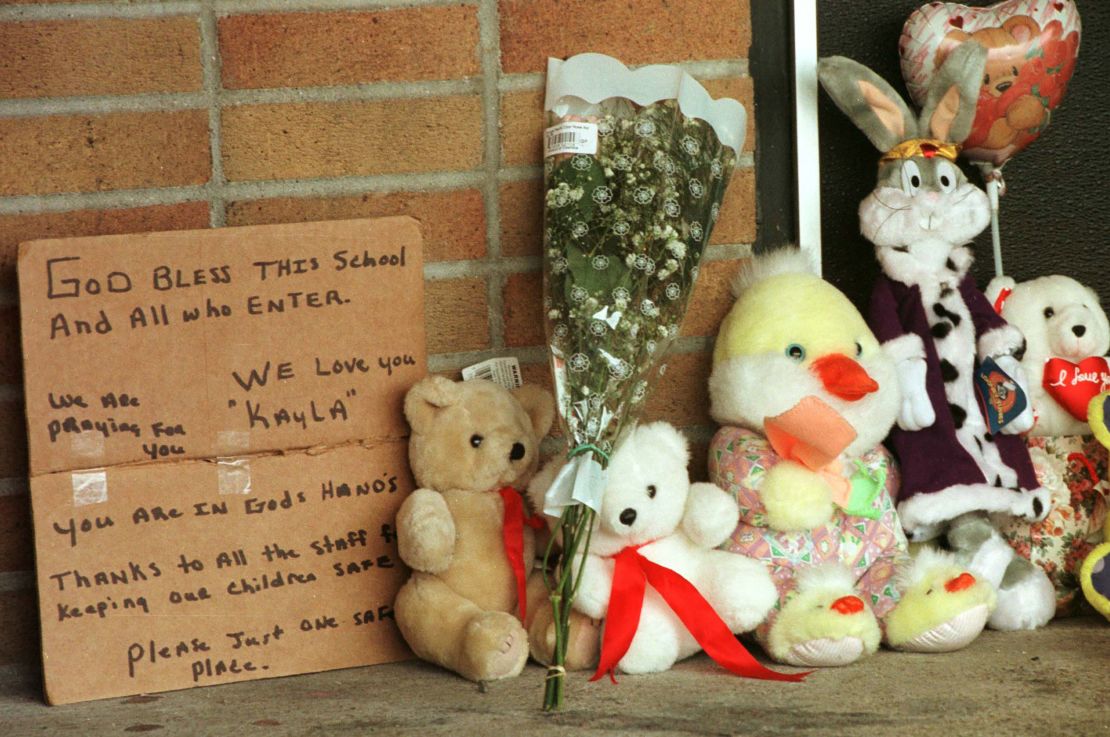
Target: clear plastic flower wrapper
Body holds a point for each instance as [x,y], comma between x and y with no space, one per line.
[635,167]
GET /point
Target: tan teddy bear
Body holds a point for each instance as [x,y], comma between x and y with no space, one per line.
[466,533]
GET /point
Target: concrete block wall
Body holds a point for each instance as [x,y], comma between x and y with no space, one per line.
[145,115]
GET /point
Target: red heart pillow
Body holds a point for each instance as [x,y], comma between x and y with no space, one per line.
[1073,385]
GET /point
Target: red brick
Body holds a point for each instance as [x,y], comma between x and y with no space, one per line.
[19,628]
[453,222]
[15,229]
[301,49]
[736,223]
[639,32]
[522,124]
[681,395]
[16,542]
[456,315]
[92,153]
[522,218]
[523,310]
[99,57]
[352,138]
[13,439]
[712,298]
[538,373]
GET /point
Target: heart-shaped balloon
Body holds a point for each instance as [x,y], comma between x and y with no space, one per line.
[1032,46]
[1073,385]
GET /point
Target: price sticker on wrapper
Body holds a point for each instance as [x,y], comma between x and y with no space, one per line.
[570,138]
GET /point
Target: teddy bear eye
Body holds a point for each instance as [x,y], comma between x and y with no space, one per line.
[651,491]
[795,352]
[859,349]
[476,441]
[1048,312]
[986,79]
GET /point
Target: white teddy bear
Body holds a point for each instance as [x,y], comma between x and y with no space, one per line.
[1067,336]
[650,503]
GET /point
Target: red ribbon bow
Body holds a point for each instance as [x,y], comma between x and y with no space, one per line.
[512,534]
[626,599]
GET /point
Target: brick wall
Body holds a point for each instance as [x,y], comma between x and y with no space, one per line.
[133,116]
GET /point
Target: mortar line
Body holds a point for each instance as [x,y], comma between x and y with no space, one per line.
[257,7]
[491,268]
[263,189]
[98,10]
[101,104]
[455,361]
[210,63]
[530,355]
[82,11]
[489,39]
[165,101]
[706,70]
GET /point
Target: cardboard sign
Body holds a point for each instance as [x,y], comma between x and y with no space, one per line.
[218,450]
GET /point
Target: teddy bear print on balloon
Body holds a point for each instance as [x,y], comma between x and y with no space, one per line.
[806,394]
[919,217]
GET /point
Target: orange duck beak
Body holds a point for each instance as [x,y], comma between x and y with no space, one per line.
[843,377]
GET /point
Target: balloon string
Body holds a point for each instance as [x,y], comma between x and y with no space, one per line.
[996,236]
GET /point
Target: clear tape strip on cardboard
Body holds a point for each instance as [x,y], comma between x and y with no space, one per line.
[234,471]
[90,486]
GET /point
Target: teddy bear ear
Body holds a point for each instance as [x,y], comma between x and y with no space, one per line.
[427,397]
[661,437]
[539,405]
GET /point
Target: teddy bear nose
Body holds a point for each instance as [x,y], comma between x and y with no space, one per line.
[1003,86]
[1079,330]
[517,452]
[628,516]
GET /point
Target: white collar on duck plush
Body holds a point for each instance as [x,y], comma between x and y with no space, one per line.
[926,261]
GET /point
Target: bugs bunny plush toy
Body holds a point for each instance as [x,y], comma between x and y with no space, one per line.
[921,217]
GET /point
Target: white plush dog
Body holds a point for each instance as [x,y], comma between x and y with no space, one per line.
[650,502]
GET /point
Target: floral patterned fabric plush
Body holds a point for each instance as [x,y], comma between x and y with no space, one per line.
[870,548]
[1073,468]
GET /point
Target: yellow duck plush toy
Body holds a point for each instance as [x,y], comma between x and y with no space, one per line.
[806,394]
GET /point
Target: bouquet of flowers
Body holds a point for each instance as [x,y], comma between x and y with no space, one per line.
[635,166]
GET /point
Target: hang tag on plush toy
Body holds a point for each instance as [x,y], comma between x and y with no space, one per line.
[1073,385]
[504,371]
[1000,397]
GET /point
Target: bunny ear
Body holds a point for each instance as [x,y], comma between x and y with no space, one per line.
[868,101]
[954,93]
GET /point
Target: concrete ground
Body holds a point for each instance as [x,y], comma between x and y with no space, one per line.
[1050,682]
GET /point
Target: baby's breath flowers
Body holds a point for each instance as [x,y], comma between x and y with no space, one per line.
[624,232]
